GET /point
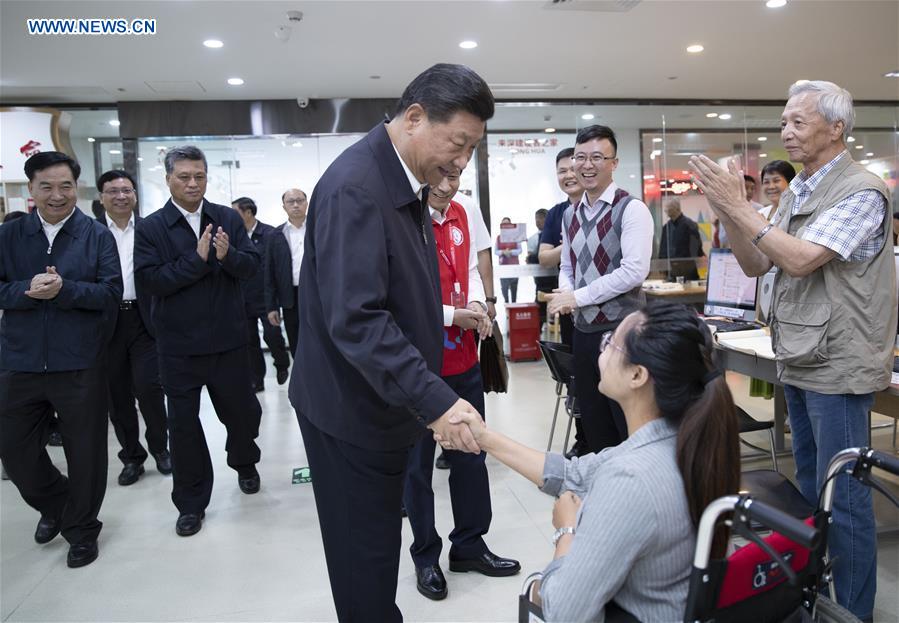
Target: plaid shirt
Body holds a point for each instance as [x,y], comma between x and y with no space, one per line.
[853,228]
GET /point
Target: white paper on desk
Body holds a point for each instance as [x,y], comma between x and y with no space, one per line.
[895,380]
[755,342]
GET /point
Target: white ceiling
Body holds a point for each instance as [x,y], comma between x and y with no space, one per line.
[751,52]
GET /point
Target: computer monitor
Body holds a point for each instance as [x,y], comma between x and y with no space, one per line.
[730,293]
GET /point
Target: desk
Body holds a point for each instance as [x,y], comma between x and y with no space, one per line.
[689,295]
[885,402]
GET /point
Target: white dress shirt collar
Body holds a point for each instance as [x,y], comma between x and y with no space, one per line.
[193,218]
[112,223]
[608,196]
[51,230]
[413,181]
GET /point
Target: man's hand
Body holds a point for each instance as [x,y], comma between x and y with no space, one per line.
[467,319]
[452,432]
[724,189]
[203,243]
[220,242]
[485,324]
[491,311]
[45,286]
[475,424]
[560,302]
[565,510]
[274,318]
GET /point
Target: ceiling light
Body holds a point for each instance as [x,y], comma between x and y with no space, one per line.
[549,130]
[891,74]
[213,43]
[114,123]
[140,159]
[762,139]
[297,144]
[657,140]
[115,152]
[235,82]
[632,176]
[468,45]
[725,116]
[763,155]
[711,115]
[859,146]
[695,48]
[864,162]
[90,139]
[851,139]
[587,116]
[869,154]
[649,177]
[775,4]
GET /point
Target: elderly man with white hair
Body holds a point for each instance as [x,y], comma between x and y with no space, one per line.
[833,311]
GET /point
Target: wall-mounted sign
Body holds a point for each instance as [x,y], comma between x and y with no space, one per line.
[27,131]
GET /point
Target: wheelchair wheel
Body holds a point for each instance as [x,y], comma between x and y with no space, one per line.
[827,611]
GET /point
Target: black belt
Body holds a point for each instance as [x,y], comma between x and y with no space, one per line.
[128,305]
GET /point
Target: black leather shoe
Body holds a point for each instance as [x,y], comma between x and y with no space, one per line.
[46,530]
[487,563]
[189,524]
[55,439]
[442,462]
[82,554]
[249,481]
[283,375]
[163,462]
[130,474]
[430,582]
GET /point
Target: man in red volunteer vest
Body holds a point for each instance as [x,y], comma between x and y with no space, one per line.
[463,313]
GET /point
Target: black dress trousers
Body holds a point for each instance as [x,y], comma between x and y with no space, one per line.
[602,417]
[468,483]
[79,397]
[358,493]
[292,323]
[225,376]
[134,373]
[273,339]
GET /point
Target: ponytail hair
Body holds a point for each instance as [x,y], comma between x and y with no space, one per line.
[675,346]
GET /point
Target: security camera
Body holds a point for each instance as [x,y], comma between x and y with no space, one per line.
[295,16]
[303,102]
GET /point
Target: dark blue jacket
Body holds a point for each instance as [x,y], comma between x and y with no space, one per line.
[198,306]
[371,319]
[70,331]
[279,272]
[254,288]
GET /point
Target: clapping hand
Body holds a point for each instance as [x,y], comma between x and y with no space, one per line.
[724,189]
[220,242]
[203,243]
[46,285]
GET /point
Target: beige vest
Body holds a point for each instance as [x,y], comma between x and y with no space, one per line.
[833,330]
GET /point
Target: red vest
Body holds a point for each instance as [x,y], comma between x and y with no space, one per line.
[453,246]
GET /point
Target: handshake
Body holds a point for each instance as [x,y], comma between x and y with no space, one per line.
[460,428]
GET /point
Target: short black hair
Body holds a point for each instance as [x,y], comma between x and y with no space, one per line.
[11,216]
[115,174]
[444,89]
[46,159]
[244,204]
[568,152]
[185,152]
[541,212]
[782,167]
[597,131]
[749,178]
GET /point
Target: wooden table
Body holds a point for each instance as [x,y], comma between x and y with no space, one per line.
[689,295]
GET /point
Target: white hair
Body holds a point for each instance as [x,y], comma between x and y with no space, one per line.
[834,102]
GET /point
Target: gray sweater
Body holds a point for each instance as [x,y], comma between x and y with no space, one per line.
[634,540]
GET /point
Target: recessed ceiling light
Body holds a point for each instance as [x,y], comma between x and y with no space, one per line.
[140,159]
[235,82]
[587,116]
[762,139]
[869,154]
[633,176]
[763,155]
[649,177]
[711,115]
[775,4]
[297,144]
[213,43]
[549,130]
[657,140]
[864,162]
[90,139]
[859,146]
[114,123]
[891,74]
[724,116]
[468,45]
[695,48]
[115,152]
[851,139]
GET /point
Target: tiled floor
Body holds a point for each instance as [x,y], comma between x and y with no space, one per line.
[259,558]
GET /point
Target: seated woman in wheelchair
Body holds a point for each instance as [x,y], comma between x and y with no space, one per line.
[626,517]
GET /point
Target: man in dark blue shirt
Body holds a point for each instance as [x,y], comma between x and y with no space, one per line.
[60,285]
[190,256]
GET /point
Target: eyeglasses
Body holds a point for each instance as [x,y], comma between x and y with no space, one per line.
[112,192]
[596,158]
[294,201]
[607,341]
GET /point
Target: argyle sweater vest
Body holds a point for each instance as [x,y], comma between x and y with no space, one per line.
[595,247]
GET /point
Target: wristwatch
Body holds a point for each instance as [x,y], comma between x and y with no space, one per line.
[491,299]
[562,532]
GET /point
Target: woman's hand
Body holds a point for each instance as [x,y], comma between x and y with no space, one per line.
[565,510]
